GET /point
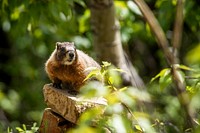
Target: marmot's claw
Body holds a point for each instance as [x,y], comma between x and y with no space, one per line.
[57,85]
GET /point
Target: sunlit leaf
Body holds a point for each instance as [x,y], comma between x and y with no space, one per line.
[138,94]
[111,80]
[112,98]
[113,76]
[83,26]
[190,89]
[94,89]
[24,127]
[106,64]
[193,55]
[93,71]
[184,67]
[116,121]
[82,3]
[134,8]
[62,16]
[138,128]
[165,80]
[162,73]
[119,70]
[19,129]
[123,89]
[126,99]
[17,11]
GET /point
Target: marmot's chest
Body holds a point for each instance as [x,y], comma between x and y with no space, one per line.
[71,74]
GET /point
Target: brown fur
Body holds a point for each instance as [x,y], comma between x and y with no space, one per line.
[70,75]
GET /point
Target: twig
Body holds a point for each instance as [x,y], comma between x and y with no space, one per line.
[178,27]
[129,110]
[156,29]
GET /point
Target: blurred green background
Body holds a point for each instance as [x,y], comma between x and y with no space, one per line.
[30,28]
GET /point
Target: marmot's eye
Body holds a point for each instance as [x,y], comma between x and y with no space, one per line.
[62,49]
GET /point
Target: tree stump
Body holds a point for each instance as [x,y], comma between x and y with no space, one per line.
[64,109]
[54,123]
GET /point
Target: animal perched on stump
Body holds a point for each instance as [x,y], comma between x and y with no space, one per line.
[66,66]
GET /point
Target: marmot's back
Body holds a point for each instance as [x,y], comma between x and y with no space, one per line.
[67,66]
[87,60]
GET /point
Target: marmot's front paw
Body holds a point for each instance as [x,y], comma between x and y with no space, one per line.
[72,92]
[57,85]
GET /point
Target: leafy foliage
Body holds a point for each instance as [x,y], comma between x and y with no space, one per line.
[123,110]
[121,113]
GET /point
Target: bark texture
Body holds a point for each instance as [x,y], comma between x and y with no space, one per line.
[54,123]
[107,40]
[68,106]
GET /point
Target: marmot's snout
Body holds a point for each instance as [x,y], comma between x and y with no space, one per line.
[70,56]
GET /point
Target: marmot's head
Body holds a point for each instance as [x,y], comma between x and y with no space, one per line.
[66,53]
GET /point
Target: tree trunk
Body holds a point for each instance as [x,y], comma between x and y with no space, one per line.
[107,40]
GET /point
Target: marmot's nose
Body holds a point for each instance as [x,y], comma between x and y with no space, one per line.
[71,55]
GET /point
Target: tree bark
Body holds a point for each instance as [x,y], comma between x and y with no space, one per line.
[107,40]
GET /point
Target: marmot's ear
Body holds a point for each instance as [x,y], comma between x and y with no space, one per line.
[58,45]
[73,43]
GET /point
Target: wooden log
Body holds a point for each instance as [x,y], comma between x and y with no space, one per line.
[54,123]
[68,106]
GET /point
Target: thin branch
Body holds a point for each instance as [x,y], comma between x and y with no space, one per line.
[171,58]
[156,29]
[182,97]
[180,86]
[178,27]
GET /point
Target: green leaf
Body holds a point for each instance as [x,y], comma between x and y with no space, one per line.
[34,128]
[193,55]
[190,89]
[161,74]
[24,127]
[94,71]
[19,129]
[106,64]
[17,11]
[83,26]
[94,89]
[164,78]
[186,68]
[138,128]
[80,2]
[165,81]
[118,70]
[123,89]
[111,80]
[133,7]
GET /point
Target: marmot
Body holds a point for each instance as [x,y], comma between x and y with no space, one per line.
[66,66]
